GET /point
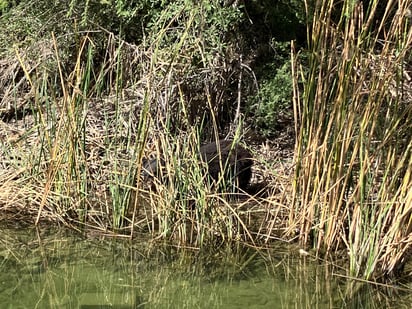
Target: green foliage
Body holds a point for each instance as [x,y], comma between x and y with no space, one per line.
[209,21]
[275,23]
[194,35]
[273,101]
[134,19]
[18,27]
[5,5]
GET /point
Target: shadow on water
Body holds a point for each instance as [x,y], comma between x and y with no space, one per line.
[60,269]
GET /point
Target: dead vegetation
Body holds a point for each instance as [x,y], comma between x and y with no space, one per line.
[73,140]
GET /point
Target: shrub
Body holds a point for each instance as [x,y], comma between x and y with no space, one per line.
[272,104]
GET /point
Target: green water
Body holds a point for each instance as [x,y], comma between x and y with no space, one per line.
[61,269]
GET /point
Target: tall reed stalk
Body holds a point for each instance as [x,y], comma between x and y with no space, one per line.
[353,184]
[63,136]
[83,138]
[102,106]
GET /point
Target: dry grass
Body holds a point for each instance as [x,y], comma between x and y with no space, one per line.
[353,151]
[73,142]
[72,153]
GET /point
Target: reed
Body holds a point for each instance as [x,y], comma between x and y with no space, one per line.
[93,121]
[181,203]
[352,188]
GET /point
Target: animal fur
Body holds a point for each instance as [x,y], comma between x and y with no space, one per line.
[226,160]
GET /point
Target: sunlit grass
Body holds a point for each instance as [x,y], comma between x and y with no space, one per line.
[93,125]
[78,158]
[353,158]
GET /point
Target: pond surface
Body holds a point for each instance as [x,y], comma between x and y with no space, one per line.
[61,269]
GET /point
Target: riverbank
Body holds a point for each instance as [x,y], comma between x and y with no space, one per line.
[327,120]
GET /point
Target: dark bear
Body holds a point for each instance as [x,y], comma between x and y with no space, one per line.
[223,159]
[232,161]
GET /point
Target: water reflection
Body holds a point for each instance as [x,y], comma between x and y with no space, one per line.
[60,269]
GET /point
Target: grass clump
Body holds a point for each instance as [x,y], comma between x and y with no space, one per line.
[84,107]
[82,130]
[352,185]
